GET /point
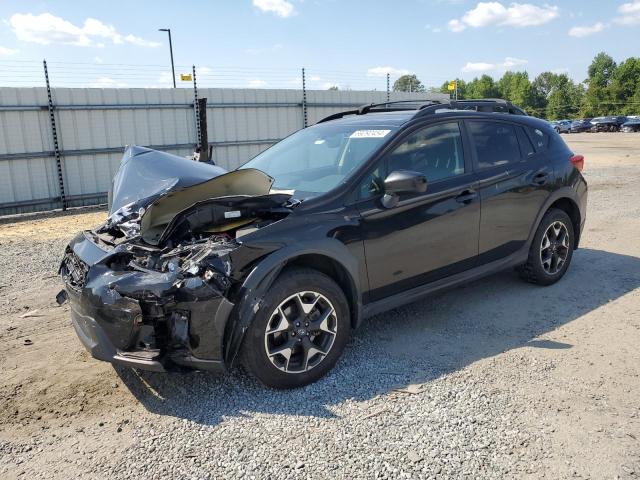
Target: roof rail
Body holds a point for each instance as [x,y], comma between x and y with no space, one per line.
[428,107]
[496,105]
[369,107]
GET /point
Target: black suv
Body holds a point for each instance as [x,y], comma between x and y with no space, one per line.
[275,263]
[607,124]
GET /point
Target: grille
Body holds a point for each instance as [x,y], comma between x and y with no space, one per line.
[73,271]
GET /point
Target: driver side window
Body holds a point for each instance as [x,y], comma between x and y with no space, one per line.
[435,151]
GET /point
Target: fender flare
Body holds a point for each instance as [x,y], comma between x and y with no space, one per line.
[264,273]
[560,194]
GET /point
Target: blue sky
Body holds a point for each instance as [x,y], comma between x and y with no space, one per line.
[351,43]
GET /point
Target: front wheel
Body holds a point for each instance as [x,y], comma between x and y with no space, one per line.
[551,250]
[299,331]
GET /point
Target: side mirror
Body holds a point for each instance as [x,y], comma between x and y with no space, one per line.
[402,181]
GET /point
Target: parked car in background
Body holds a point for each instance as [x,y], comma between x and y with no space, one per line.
[632,125]
[607,124]
[275,263]
[562,126]
[579,126]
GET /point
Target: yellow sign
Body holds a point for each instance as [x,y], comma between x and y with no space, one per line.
[185,77]
[451,86]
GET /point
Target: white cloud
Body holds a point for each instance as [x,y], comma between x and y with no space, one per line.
[508,64]
[140,42]
[586,30]
[281,8]
[256,83]
[382,72]
[629,13]
[456,25]
[5,52]
[95,28]
[511,62]
[495,13]
[478,67]
[47,29]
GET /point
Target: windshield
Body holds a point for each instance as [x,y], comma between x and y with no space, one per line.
[317,159]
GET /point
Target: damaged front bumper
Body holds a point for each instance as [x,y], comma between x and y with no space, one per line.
[142,318]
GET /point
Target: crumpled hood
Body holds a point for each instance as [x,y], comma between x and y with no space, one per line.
[152,187]
[145,173]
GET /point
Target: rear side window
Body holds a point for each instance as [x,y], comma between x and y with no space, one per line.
[496,143]
[540,139]
[525,144]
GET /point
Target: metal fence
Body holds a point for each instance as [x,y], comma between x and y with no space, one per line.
[93,125]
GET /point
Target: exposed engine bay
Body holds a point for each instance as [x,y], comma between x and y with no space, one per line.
[162,198]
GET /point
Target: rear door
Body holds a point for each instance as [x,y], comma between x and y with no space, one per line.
[426,236]
[514,182]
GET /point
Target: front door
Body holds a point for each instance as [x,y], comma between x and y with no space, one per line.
[426,236]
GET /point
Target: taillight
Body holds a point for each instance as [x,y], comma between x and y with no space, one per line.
[578,162]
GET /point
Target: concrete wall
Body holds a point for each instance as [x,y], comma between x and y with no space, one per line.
[94,125]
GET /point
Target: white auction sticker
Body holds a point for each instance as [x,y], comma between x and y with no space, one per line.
[369,134]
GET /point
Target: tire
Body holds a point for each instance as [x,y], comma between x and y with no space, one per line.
[296,292]
[540,267]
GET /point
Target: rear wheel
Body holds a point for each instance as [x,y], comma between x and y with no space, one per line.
[551,250]
[299,332]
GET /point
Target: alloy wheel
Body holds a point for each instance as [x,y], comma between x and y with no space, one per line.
[300,332]
[554,248]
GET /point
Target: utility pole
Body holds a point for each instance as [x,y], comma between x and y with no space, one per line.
[173,71]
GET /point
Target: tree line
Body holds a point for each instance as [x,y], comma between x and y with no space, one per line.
[609,89]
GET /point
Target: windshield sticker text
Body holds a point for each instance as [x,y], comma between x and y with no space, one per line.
[369,134]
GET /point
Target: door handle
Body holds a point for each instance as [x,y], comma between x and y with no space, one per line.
[467,196]
[540,178]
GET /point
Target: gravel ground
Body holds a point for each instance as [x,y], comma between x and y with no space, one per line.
[497,379]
